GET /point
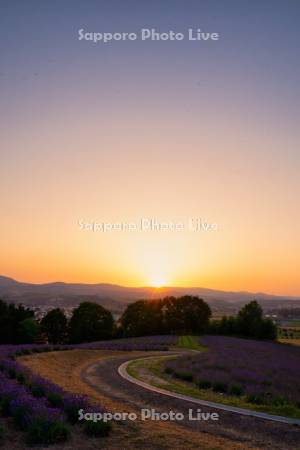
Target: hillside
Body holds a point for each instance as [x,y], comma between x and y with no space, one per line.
[115,297]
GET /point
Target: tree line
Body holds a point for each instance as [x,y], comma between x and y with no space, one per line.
[90,322]
[249,323]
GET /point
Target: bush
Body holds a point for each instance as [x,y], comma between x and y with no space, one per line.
[43,431]
[55,399]
[280,401]
[72,404]
[169,370]
[20,415]
[12,373]
[99,428]
[219,386]
[185,376]
[37,350]
[236,389]
[9,392]
[256,399]
[204,384]
[37,390]
[21,378]
[25,351]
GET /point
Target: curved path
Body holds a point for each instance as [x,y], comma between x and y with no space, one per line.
[251,432]
[122,370]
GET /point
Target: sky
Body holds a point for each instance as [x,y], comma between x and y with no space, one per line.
[171,130]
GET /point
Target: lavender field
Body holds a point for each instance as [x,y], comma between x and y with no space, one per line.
[259,372]
[43,410]
[40,409]
[144,343]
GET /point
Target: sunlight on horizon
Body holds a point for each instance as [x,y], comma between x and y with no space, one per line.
[158,282]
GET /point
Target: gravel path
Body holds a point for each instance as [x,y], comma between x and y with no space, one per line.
[103,376]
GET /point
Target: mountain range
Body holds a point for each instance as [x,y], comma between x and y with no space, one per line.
[115,297]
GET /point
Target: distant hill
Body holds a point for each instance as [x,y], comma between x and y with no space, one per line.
[115,297]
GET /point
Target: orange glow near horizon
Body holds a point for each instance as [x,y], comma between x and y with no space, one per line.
[158,282]
[171,133]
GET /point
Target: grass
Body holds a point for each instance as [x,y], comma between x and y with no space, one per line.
[289,332]
[293,323]
[290,341]
[158,378]
[190,342]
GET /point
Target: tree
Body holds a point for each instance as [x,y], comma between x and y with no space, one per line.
[10,318]
[227,326]
[251,323]
[248,323]
[90,322]
[6,335]
[29,331]
[268,330]
[54,325]
[142,318]
[185,315]
[171,315]
[249,319]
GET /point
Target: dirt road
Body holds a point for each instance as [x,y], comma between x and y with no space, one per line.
[252,432]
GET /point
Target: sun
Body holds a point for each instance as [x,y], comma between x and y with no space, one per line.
[158,283]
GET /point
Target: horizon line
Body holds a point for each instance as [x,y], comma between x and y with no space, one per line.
[155,288]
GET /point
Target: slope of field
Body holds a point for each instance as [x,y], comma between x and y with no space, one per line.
[94,373]
[264,374]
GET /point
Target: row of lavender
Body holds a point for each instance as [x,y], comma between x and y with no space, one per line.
[143,343]
[44,410]
[41,409]
[264,372]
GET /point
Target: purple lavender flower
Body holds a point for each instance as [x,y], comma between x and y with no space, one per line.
[264,371]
